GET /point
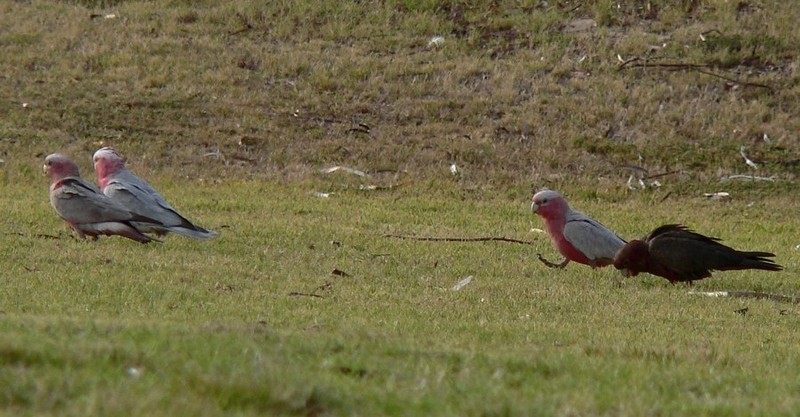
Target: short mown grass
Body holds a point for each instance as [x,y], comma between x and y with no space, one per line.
[302,305]
[259,320]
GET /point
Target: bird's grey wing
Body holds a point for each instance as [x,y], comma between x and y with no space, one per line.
[143,187]
[141,198]
[142,202]
[592,238]
[81,202]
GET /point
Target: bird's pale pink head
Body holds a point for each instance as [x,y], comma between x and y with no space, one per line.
[58,166]
[632,258]
[549,204]
[107,162]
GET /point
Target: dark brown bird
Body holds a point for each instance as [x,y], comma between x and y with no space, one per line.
[676,253]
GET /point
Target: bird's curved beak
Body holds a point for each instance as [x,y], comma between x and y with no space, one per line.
[534,207]
[625,272]
[44,169]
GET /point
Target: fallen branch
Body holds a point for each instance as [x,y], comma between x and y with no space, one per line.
[719,195]
[372,187]
[633,63]
[357,130]
[747,160]
[345,169]
[746,177]
[37,235]
[462,283]
[339,272]
[304,294]
[549,264]
[247,27]
[460,239]
[663,174]
[749,294]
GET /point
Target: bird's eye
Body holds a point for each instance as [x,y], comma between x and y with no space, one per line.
[544,201]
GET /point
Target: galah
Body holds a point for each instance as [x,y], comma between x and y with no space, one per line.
[87,210]
[121,185]
[577,237]
[676,253]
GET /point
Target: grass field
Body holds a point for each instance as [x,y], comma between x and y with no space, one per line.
[302,305]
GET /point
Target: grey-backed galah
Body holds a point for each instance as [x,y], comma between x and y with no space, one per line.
[676,253]
[577,237]
[121,185]
[87,210]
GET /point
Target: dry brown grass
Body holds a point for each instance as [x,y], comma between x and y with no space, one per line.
[517,95]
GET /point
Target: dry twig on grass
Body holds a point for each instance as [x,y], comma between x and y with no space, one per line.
[549,264]
[304,294]
[749,294]
[638,62]
[460,239]
[36,235]
[746,177]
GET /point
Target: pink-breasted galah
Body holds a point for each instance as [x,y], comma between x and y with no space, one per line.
[122,186]
[87,210]
[577,237]
[674,252]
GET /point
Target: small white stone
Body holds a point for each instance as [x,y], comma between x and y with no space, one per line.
[435,41]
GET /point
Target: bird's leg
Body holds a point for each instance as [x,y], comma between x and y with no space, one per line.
[552,264]
[77,230]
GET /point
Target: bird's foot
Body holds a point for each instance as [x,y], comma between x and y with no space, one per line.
[552,264]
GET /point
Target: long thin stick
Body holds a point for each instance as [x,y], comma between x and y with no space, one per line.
[460,239]
[749,294]
[632,63]
[304,294]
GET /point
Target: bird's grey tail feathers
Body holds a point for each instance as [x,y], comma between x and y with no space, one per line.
[197,232]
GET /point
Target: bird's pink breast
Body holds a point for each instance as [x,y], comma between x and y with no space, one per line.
[570,252]
[555,228]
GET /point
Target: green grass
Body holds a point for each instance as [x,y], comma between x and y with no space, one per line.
[232,109]
[214,326]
